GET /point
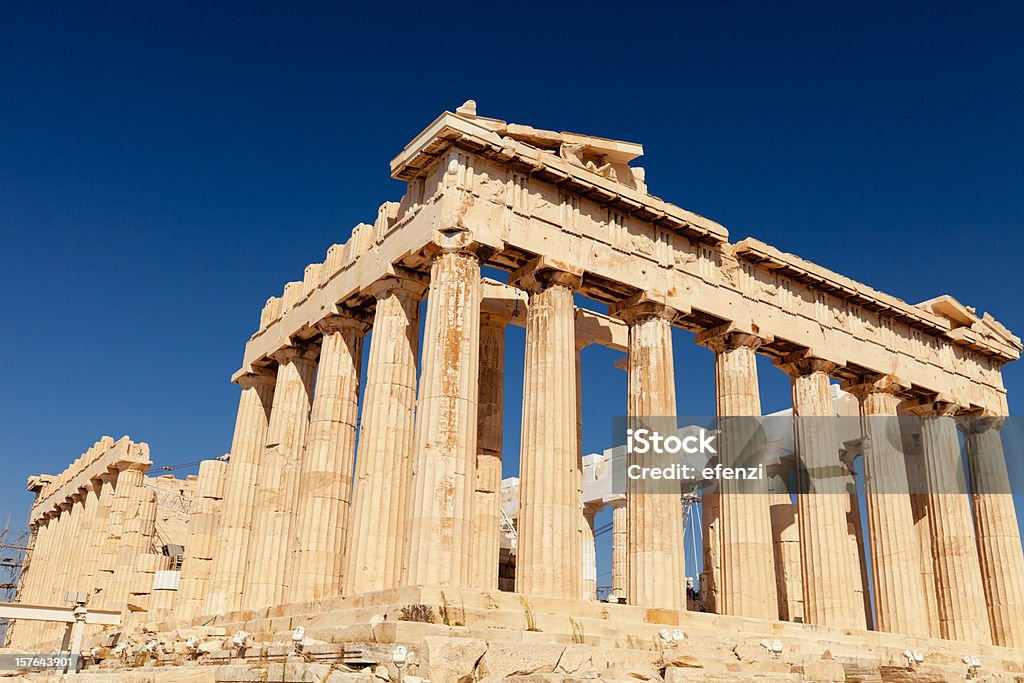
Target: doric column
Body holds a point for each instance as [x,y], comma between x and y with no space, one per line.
[786,541]
[325,479]
[487,494]
[201,543]
[34,580]
[830,576]
[373,556]
[895,558]
[277,478]
[99,495]
[104,569]
[137,536]
[549,552]
[589,554]
[227,574]
[917,484]
[439,543]
[958,583]
[747,584]
[654,560]
[619,524]
[995,524]
[69,573]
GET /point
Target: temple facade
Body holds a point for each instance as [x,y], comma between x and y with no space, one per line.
[344,484]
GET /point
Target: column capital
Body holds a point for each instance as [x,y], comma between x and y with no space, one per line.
[807,362]
[300,351]
[348,321]
[730,336]
[460,242]
[874,384]
[979,423]
[644,306]
[260,376]
[494,319]
[543,272]
[401,281]
[935,406]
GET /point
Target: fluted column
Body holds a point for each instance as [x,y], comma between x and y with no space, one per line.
[786,541]
[227,574]
[375,545]
[439,543]
[589,554]
[995,524]
[548,562]
[487,494]
[99,495]
[830,576]
[654,560]
[325,480]
[201,543]
[69,573]
[895,557]
[277,478]
[137,535]
[748,583]
[619,524]
[25,631]
[917,483]
[958,582]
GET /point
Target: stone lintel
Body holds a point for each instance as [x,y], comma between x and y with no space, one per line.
[483,137]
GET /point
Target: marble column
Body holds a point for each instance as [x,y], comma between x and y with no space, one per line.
[373,556]
[548,563]
[277,478]
[107,552]
[325,481]
[747,581]
[654,560]
[439,543]
[619,525]
[69,573]
[895,556]
[958,581]
[34,578]
[201,543]
[995,524]
[97,505]
[917,484]
[227,574]
[589,554]
[487,493]
[786,541]
[137,535]
[830,576]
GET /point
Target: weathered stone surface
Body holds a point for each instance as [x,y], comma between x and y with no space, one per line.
[451,659]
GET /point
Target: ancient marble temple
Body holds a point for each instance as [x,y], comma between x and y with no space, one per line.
[316,503]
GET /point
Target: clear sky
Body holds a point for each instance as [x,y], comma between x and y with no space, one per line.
[165,167]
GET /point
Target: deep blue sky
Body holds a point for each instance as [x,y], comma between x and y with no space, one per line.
[165,167]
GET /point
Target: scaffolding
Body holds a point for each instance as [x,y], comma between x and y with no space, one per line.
[14,552]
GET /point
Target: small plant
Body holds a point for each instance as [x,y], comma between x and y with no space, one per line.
[531,620]
[577,631]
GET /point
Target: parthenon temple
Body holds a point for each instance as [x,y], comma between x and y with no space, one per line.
[368,506]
